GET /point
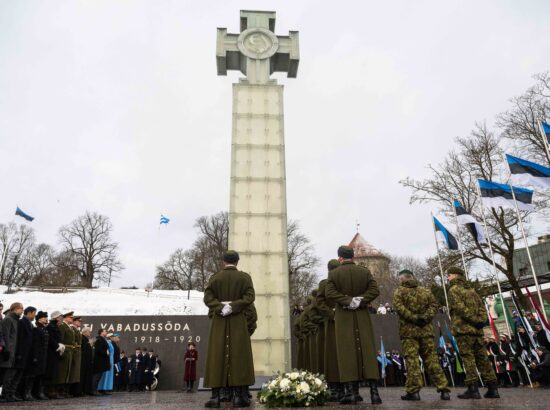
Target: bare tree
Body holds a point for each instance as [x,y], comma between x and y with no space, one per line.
[520,124]
[477,156]
[302,263]
[177,272]
[16,241]
[89,238]
[61,269]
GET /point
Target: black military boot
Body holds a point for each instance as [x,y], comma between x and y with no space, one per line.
[471,393]
[28,392]
[356,392]
[492,391]
[333,389]
[349,396]
[240,398]
[214,401]
[374,396]
[411,396]
[226,394]
[445,395]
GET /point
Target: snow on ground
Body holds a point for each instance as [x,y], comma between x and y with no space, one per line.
[110,302]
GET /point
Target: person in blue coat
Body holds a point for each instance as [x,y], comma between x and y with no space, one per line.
[107,378]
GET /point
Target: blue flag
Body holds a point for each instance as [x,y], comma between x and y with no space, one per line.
[383,354]
[22,214]
[445,235]
[494,195]
[546,130]
[528,173]
[164,220]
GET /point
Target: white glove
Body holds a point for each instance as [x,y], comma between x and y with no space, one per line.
[227,310]
[60,348]
[355,302]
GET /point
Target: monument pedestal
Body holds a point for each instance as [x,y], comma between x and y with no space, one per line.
[257,216]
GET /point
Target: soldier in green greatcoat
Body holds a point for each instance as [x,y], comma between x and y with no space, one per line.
[229,363]
[416,307]
[351,287]
[305,327]
[300,341]
[313,320]
[74,375]
[468,318]
[330,359]
[67,339]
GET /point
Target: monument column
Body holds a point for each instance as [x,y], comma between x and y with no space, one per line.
[257,206]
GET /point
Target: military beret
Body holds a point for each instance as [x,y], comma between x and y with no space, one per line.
[41,314]
[406,272]
[455,270]
[231,257]
[345,252]
[333,264]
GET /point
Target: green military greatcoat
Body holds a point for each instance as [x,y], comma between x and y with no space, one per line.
[416,307]
[467,318]
[330,360]
[66,361]
[74,376]
[300,342]
[314,319]
[354,331]
[229,355]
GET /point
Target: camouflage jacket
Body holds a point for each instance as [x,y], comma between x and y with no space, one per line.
[466,308]
[412,302]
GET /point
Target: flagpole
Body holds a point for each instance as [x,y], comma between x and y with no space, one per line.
[544,141]
[459,243]
[488,236]
[441,268]
[527,248]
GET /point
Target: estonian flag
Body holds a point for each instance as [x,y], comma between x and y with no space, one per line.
[445,235]
[545,130]
[19,212]
[528,173]
[164,220]
[495,195]
[464,218]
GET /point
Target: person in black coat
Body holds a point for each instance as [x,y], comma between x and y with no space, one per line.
[55,349]
[116,359]
[143,368]
[121,378]
[86,363]
[150,369]
[542,338]
[134,365]
[25,354]
[12,369]
[41,342]
[101,362]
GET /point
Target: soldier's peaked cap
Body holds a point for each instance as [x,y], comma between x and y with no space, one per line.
[345,252]
[406,272]
[332,264]
[455,270]
[231,257]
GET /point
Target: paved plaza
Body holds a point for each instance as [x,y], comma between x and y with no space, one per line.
[517,398]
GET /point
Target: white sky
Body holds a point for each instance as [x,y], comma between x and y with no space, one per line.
[115,107]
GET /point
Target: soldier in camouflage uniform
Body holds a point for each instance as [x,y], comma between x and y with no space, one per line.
[468,318]
[416,307]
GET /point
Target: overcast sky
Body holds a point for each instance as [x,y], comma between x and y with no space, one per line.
[115,107]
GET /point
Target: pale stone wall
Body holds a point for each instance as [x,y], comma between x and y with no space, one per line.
[257,216]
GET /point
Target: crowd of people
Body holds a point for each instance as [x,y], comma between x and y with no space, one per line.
[54,357]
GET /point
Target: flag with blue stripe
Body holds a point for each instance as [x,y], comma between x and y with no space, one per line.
[445,235]
[528,173]
[164,220]
[463,217]
[545,130]
[24,215]
[383,354]
[494,195]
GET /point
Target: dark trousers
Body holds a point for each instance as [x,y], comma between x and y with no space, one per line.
[12,378]
[95,381]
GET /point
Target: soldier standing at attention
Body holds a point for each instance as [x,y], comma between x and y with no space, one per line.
[468,318]
[330,361]
[416,307]
[229,363]
[351,287]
